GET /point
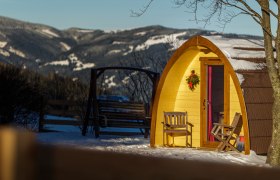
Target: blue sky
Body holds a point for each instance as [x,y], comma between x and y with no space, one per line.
[113,15]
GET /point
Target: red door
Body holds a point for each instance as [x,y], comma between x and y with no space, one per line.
[212,96]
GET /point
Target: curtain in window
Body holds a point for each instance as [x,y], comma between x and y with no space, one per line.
[210,113]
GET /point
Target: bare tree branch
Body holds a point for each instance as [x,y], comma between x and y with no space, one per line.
[141,11]
[267,9]
[265,28]
[272,13]
[216,8]
[246,10]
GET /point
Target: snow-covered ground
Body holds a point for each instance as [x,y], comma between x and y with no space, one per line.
[72,137]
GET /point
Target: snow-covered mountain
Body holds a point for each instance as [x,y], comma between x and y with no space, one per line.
[74,51]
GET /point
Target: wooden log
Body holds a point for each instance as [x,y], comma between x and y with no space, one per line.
[17,158]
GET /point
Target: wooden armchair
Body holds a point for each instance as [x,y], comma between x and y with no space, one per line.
[228,134]
[176,124]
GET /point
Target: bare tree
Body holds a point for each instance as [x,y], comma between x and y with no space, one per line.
[262,12]
[138,85]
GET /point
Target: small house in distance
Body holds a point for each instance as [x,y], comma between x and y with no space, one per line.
[233,78]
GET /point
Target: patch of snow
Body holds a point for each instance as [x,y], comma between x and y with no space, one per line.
[85,30]
[71,136]
[227,54]
[160,39]
[256,158]
[140,33]
[118,42]
[117,30]
[38,60]
[114,51]
[240,78]
[17,52]
[75,79]
[129,51]
[246,65]
[175,44]
[213,32]
[126,80]
[65,46]
[75,37]
[109,82]
[134,73]
[3,44]
[60,63]
[49,33]
[84,66]
[227,45]
[75,60]
[73,57]
[4,53]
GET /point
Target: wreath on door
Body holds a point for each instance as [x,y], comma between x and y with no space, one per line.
[192,80]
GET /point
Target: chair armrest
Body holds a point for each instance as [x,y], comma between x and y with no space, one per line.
[166,125]
[182,126]
[190,124]
[222,125]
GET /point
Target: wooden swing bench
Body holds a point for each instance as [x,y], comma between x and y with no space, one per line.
[121,115]
[117,114]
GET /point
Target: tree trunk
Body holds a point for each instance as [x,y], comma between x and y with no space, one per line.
[273,157]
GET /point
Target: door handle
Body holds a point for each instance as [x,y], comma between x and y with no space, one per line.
[204,104]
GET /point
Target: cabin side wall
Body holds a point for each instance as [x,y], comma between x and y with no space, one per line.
[170,89]
[258,95]
[189,101]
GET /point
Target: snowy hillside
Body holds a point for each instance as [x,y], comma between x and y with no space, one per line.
[74,51]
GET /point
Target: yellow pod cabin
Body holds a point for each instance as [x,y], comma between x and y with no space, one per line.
[223,86]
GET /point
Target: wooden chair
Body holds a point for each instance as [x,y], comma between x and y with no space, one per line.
[176,124]
[228,134]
